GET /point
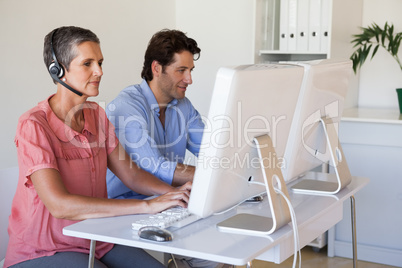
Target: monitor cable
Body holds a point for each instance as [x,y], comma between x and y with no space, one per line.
[296,244]
[297,251]
[235,206]
[174,260]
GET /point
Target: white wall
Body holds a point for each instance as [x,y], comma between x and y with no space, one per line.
[346,20]
[123,26]
[380,77]
[224,30]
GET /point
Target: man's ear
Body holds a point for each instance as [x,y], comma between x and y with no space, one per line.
[156,68]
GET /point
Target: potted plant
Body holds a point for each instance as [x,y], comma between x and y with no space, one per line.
[370,40]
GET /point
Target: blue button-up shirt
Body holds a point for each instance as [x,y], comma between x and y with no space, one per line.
[157,149]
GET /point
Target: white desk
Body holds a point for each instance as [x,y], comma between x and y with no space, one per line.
[315,215]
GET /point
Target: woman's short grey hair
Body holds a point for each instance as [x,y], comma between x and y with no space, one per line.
[65,41]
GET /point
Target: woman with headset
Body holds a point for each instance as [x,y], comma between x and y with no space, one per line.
[65,145]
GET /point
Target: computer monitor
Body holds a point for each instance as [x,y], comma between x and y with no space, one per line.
[244,140]
[313,138]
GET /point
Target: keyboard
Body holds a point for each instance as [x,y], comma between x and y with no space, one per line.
[173,217]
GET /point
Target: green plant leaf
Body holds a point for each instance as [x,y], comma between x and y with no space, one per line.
[373,36]
[355,61]
[375,50]
[383,36]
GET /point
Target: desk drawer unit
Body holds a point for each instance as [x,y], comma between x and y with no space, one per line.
[373,149]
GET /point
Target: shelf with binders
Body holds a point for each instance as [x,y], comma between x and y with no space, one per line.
[292,30]
[279,55]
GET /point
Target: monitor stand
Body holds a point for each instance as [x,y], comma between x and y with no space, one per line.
[342,176]
[260,225]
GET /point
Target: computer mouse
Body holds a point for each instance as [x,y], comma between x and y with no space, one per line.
[155,234]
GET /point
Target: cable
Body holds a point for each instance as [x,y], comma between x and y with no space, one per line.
[174,260]
[295,230]
[296,242]
[236,205]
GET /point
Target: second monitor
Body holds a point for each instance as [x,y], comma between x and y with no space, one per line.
[313,138]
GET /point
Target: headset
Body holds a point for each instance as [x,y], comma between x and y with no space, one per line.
[56,70]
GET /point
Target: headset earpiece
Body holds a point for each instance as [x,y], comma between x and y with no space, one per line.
[56,70]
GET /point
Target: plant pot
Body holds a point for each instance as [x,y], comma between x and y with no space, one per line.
[399,93]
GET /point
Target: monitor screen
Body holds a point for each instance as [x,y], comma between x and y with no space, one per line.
[313,137]
[248,101]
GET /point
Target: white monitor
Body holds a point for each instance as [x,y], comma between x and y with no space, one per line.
[250,104]
[313,138]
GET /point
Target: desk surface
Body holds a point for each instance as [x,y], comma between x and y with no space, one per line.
[315,215]
[372,115]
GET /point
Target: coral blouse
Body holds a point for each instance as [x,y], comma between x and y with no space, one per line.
[44,141]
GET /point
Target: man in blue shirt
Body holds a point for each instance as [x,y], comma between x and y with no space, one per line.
[154,120]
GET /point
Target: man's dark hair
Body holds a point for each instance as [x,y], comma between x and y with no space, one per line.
[162,48]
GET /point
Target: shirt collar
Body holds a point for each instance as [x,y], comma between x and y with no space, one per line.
[150,97]
[61,130]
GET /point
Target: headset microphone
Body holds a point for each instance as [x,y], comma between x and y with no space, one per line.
[56,70]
